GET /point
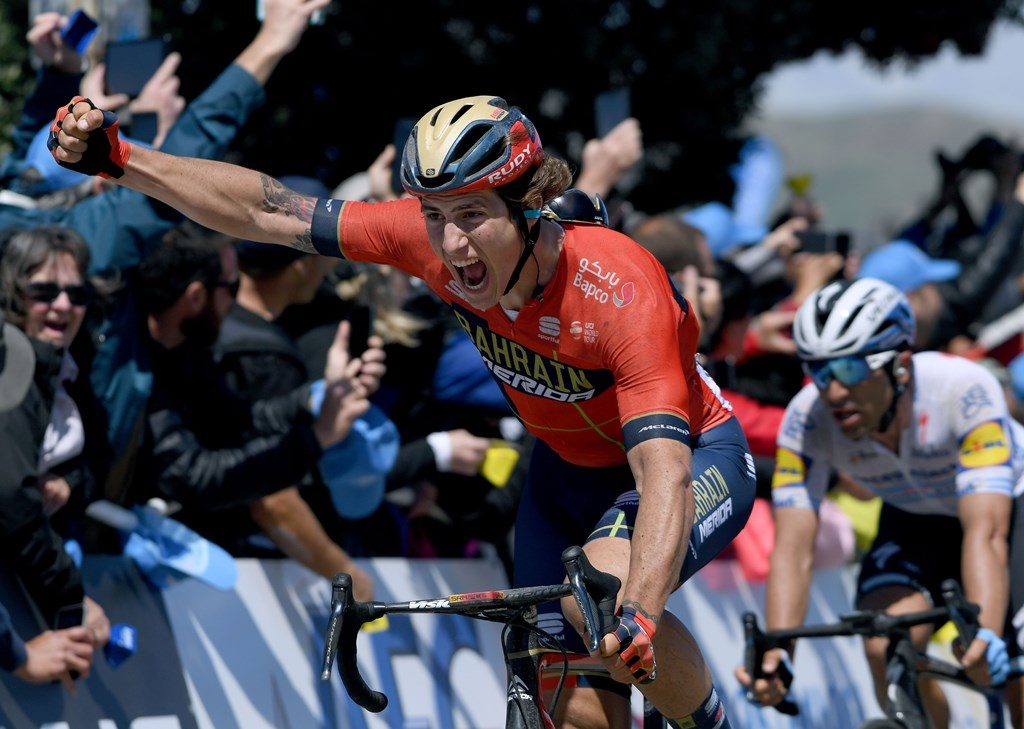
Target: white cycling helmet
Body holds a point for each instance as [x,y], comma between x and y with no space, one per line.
[861,317]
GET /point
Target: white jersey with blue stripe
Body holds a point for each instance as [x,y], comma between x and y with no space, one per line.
[960,440]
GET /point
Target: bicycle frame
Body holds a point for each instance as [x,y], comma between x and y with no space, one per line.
[904,663]
[522,642]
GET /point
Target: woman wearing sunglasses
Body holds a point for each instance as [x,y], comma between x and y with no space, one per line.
[928,433]
[44,293]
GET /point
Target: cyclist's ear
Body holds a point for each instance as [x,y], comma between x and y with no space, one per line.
[902,367]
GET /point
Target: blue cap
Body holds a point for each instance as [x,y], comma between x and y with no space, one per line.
[1016,368]
[721,231]
[907,267]
[166,550]
[122,645]
[355,470]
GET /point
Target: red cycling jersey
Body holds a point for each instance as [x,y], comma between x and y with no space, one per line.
[602,359]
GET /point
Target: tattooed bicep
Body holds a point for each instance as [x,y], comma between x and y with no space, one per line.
[279,199]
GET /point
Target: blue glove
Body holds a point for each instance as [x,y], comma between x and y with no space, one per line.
[996,655]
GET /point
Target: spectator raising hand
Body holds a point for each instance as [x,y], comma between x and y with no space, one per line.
[345,396]
[44,38]
[284,22]
[607,160]
[380,175]
[93,88]
[160,96]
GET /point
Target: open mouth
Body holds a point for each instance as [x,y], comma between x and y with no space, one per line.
[846,416]
[472,273]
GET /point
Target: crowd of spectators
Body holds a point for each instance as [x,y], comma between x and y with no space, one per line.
[281,404]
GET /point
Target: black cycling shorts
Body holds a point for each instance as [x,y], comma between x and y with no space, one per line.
[919,551]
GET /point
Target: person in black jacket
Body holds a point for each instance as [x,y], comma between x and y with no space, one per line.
[205,447]
[44,444]
[952,304]
[259,360]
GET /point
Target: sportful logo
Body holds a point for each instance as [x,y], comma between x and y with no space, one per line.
[512,166]
[550,328]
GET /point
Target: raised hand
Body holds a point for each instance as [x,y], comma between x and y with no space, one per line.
[84,138]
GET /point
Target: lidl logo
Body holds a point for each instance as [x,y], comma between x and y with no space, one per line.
[986,445]
[790,468]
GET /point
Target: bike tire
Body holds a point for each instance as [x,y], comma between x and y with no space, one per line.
[883,724]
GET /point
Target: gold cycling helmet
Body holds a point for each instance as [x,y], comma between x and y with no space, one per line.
[470,144]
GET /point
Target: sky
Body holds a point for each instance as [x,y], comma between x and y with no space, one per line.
[988,85]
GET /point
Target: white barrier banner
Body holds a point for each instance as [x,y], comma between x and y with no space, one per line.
[252,656]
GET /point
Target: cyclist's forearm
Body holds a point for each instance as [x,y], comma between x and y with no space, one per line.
[986,577]
[234,200]
[789,584]
[663,523]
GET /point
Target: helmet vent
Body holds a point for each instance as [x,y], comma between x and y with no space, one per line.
[433,119]
[850,319]
[460,113]
[469,140]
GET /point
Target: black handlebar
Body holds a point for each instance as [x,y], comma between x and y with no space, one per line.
[756,644]
[594,591]
[864,623]
[347,617]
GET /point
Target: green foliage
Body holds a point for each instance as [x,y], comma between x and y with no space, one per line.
[15,75]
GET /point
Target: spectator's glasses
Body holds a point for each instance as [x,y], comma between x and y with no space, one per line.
[231,286]
[850,370]
[46,292]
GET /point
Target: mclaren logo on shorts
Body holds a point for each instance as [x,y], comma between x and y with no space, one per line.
[524,370]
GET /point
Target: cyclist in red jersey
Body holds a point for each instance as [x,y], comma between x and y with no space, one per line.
[638,455]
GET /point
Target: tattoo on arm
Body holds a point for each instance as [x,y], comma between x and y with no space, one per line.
[279,199]
[636,606]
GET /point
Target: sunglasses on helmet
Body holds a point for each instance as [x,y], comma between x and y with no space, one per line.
[46,292]
[849,371]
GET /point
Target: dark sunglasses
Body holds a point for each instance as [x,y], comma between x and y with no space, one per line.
[46,292]
[850,370]
[231,286]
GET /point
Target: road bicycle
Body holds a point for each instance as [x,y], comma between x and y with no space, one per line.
[533,657]
[904,662]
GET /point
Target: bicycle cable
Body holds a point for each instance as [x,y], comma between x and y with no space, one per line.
[545,640]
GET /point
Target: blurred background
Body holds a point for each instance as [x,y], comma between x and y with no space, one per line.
[857,94]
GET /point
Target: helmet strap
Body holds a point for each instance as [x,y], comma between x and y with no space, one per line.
[530,236]
[897,392]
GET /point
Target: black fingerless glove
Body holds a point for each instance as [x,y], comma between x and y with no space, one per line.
[106,154]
